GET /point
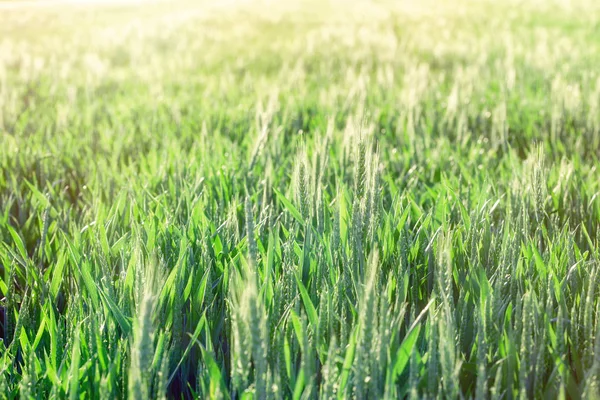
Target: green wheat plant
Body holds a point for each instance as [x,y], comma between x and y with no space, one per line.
[300,200]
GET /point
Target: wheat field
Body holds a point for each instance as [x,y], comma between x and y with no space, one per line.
[300,199]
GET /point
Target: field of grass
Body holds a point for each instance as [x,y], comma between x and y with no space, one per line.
[300,199]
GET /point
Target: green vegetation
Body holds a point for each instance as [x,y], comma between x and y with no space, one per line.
[285,200]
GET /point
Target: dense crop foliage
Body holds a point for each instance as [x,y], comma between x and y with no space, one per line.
[277,200]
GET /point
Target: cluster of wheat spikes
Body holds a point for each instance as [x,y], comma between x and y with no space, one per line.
[375,200]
